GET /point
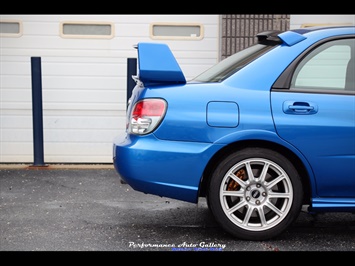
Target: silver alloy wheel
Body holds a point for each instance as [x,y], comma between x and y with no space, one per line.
[256,194]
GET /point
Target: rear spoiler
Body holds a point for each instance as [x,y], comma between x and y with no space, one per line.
[277,37]
[157,65]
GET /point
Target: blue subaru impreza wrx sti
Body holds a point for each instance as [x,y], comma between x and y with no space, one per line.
[261,134]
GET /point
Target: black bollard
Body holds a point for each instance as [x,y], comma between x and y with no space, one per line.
[131,71]
[37,113]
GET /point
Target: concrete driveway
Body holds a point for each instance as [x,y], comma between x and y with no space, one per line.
[87,208]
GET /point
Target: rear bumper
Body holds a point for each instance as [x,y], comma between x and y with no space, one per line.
[170,169]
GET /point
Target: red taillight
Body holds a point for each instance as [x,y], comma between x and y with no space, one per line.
[149,107]
[146,116]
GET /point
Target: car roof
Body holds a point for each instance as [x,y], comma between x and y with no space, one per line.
[316,28]
[291,37]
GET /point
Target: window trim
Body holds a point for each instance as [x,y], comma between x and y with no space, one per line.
[152,36]
[12,35]
[84,36]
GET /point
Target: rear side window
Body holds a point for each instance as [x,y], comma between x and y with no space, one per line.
[328,67]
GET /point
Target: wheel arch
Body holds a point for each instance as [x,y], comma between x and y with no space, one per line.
[260,144]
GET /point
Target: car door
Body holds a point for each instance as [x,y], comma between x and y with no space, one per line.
[316,114]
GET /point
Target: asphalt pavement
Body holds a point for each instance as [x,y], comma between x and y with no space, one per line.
[88,208]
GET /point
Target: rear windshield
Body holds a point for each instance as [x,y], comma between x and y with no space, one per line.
[232,64]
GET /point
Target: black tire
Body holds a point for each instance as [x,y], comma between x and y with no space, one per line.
[255,194]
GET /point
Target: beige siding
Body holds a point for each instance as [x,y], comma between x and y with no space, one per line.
[299,21]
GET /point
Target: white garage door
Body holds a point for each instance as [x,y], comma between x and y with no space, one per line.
[84,79]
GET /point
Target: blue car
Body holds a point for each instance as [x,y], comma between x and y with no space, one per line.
[260,135]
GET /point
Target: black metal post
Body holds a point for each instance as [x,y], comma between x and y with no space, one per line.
[131,71]
[37,113]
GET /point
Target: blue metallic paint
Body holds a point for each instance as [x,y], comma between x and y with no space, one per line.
[150,165]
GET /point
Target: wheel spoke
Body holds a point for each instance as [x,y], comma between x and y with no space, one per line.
[262,216]
[247,216]
[279,195]
[250,172]
[274,208]
[238,180]
[233,193]
[236,207]
[264,172]
[275,181]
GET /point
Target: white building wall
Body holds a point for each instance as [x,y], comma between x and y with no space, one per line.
[83,80]
[299,21]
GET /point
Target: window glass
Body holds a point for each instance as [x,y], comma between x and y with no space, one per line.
[325,68]
[10,29]
[232,64]
[176,31]
[86,30]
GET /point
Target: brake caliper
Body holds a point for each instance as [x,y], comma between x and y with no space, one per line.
[233,185]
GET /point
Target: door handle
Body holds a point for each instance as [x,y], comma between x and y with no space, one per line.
[299,108]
